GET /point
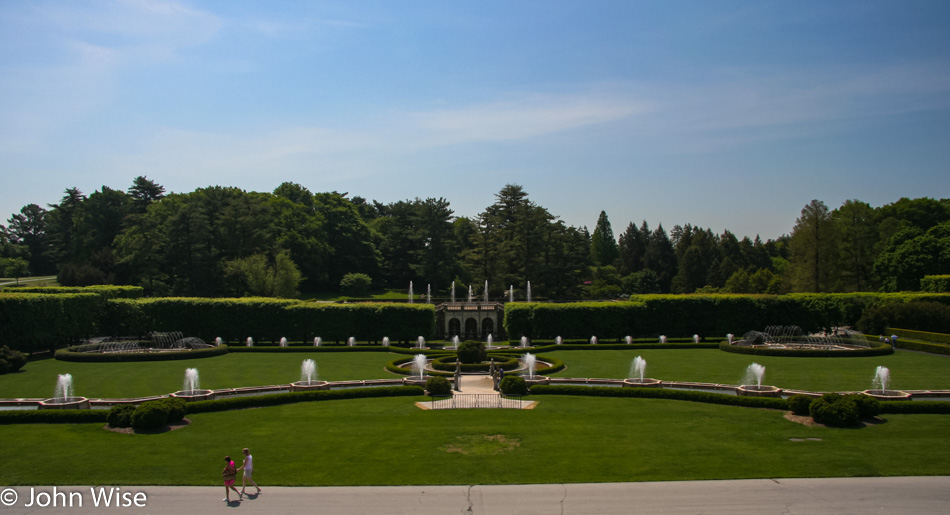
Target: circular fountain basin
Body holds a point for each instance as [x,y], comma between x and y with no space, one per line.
[415,380]
[888,395]
[194,395]
[753,390]
[306,386]
[533,380]
[64,403]
[646,382]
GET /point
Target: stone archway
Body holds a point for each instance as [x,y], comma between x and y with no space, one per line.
[488,327]
[471,329]
[455,327]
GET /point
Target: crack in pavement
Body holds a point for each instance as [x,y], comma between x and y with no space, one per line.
[468,499]
[564,497]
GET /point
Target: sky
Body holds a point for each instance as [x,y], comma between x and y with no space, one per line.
[721,114]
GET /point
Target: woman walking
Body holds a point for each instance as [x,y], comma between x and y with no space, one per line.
[229,475]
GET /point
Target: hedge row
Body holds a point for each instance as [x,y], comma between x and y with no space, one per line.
[105,291]
[662,393]
[277,399]
[935,284]
[266,319]
[619,346]
[447,364]
[30,322]
[920,346]
[915,407]
[919,335]
[877,349]
[53,416]
[71,354]
[394,367]
[684,315]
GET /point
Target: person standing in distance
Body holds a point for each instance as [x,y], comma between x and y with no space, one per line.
[248,469]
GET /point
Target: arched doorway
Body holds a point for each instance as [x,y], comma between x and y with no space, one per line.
[471,329]
[488,327]
[455,327]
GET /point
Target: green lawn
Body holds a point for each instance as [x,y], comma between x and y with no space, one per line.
[332,296]
[909,370]
[388,441]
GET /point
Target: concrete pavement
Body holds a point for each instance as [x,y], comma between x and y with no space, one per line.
[892,495]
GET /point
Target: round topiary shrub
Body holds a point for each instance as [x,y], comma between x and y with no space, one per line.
[438,385]
[121,415]
[835,411]
[513,385]
[868,407]
[800,404]
[11,360]
[149,416]
[471,352]
[176,409]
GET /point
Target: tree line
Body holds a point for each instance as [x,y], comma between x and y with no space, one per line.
[224,241]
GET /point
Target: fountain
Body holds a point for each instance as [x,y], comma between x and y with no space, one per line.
[488,341]
[385,341]
[420,343]
[524,342]
[636,377]
[453,291]
[629,340]
[662,338]
[250,341]
[63,397]
[528,294]
[218,341]
[882,376]
[752,383]
[191,390]
[428,294]
[530,362]
[351,342]
[511,293]
[729,338]
[486,292]
[308,378]
[410,292]
[470,293]
[558,340]
[283,341]
[593,340]
[455,341]
[695,338]
[417,371]
[317,341]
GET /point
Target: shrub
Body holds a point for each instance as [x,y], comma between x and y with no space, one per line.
[176,409]
[150,415]
[121,415]
[919,315]
[513,385]
[438,385]
[835,410]
[355,285]
[799,404]
[11,360]
[868,407]
[471,352]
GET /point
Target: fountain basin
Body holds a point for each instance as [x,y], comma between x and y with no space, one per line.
[533,380]
[415,381]
[888,395]
[306,386]
[646,382]
[194,395]
[64,403]
[752,390]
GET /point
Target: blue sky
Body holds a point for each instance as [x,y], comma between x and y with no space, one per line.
[723,114]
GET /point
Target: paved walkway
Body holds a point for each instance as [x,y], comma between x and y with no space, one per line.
[481,383]
[896,495]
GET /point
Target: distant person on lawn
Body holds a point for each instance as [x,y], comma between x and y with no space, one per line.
[248,468]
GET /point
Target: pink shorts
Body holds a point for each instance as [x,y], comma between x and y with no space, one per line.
[228,482]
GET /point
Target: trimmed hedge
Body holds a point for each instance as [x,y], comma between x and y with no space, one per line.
[800,404]
[447,363]
[684,315]
[277,399]
[11,360]
[933,348]
[915,407]
[662,393]
[877,349]
[920,315]
[120,415]
[935,284]
[513,385]
[919,335]
[393,366]
[438,385]
[107,291]
[149,416]
[70,354]
[53,416]
[31,322]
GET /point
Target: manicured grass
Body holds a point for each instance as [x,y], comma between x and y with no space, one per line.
[38,378]
[565,439]
[909,370]
[334,296]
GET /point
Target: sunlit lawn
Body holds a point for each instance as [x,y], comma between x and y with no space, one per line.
[389,441]
[908,370]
